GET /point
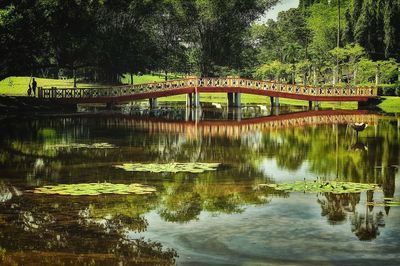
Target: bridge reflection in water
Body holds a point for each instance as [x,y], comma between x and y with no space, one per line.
[193,127]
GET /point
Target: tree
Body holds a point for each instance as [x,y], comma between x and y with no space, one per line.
[291,55]
[391,28]
[273,70]
[217,29]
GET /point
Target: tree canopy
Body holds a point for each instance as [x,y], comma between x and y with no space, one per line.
[109,38]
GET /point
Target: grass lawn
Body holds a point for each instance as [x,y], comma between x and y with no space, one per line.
[390,104]
[19,86]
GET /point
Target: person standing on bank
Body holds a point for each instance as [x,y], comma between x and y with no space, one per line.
[34,85]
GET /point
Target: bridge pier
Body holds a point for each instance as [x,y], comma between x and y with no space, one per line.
[196,100]
[238,98]
[230,99]
[234,99]
[189,99]
[274,101]
[153,103]
[316,105]
[188,114]
[237,114]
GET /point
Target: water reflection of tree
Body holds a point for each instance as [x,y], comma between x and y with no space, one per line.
[61,227]
[340,207]
[366,226]
[328,148]
[335,206]
[229,191]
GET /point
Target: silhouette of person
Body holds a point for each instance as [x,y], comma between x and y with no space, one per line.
[34,85]
[29,90]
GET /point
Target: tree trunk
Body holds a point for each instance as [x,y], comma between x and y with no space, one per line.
[315,75]
[377,74]
[131,79]
[74,74]
[355,76]
[334,76]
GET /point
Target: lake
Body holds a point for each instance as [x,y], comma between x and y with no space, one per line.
[217,217]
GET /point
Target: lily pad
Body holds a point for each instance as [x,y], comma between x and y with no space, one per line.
[169,167]
[103,145]
[94,189]
[388,202]
[318,186]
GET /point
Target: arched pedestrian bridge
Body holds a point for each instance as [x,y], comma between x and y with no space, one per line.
[193,87]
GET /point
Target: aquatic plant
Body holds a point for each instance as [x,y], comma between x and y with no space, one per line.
[93,189]
[169,167]
[102,145]
[319,186]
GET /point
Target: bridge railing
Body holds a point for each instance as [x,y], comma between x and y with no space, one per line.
[66,93]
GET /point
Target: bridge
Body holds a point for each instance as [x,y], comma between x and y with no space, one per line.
[193,87]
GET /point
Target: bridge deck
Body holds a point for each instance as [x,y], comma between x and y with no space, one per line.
[209,85]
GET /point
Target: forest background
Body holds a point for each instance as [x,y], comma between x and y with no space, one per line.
[107,42]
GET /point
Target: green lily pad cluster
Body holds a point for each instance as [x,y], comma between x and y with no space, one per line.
[388,202]
[103,145]
[169,167]
[93,189]
[318,186]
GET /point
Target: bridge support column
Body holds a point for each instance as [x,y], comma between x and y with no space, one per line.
[188,113]
[276,101]
[271,99]
[230,99]
[238,100]
[197,100]
[153,103]
[238,114]
[310,105]
[189,99]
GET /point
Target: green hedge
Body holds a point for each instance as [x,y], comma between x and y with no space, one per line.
[389,89]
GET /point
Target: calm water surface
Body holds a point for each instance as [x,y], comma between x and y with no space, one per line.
[216,217]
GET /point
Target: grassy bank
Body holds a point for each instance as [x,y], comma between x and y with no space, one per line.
[390,104]
[19,85]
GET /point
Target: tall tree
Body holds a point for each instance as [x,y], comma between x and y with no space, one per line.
[217,29]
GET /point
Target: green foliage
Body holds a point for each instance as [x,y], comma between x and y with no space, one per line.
[273,70]
[94,189]
[386,69]
[169,167]
[389,89]
[81,146]
[319,186]
[322,21]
